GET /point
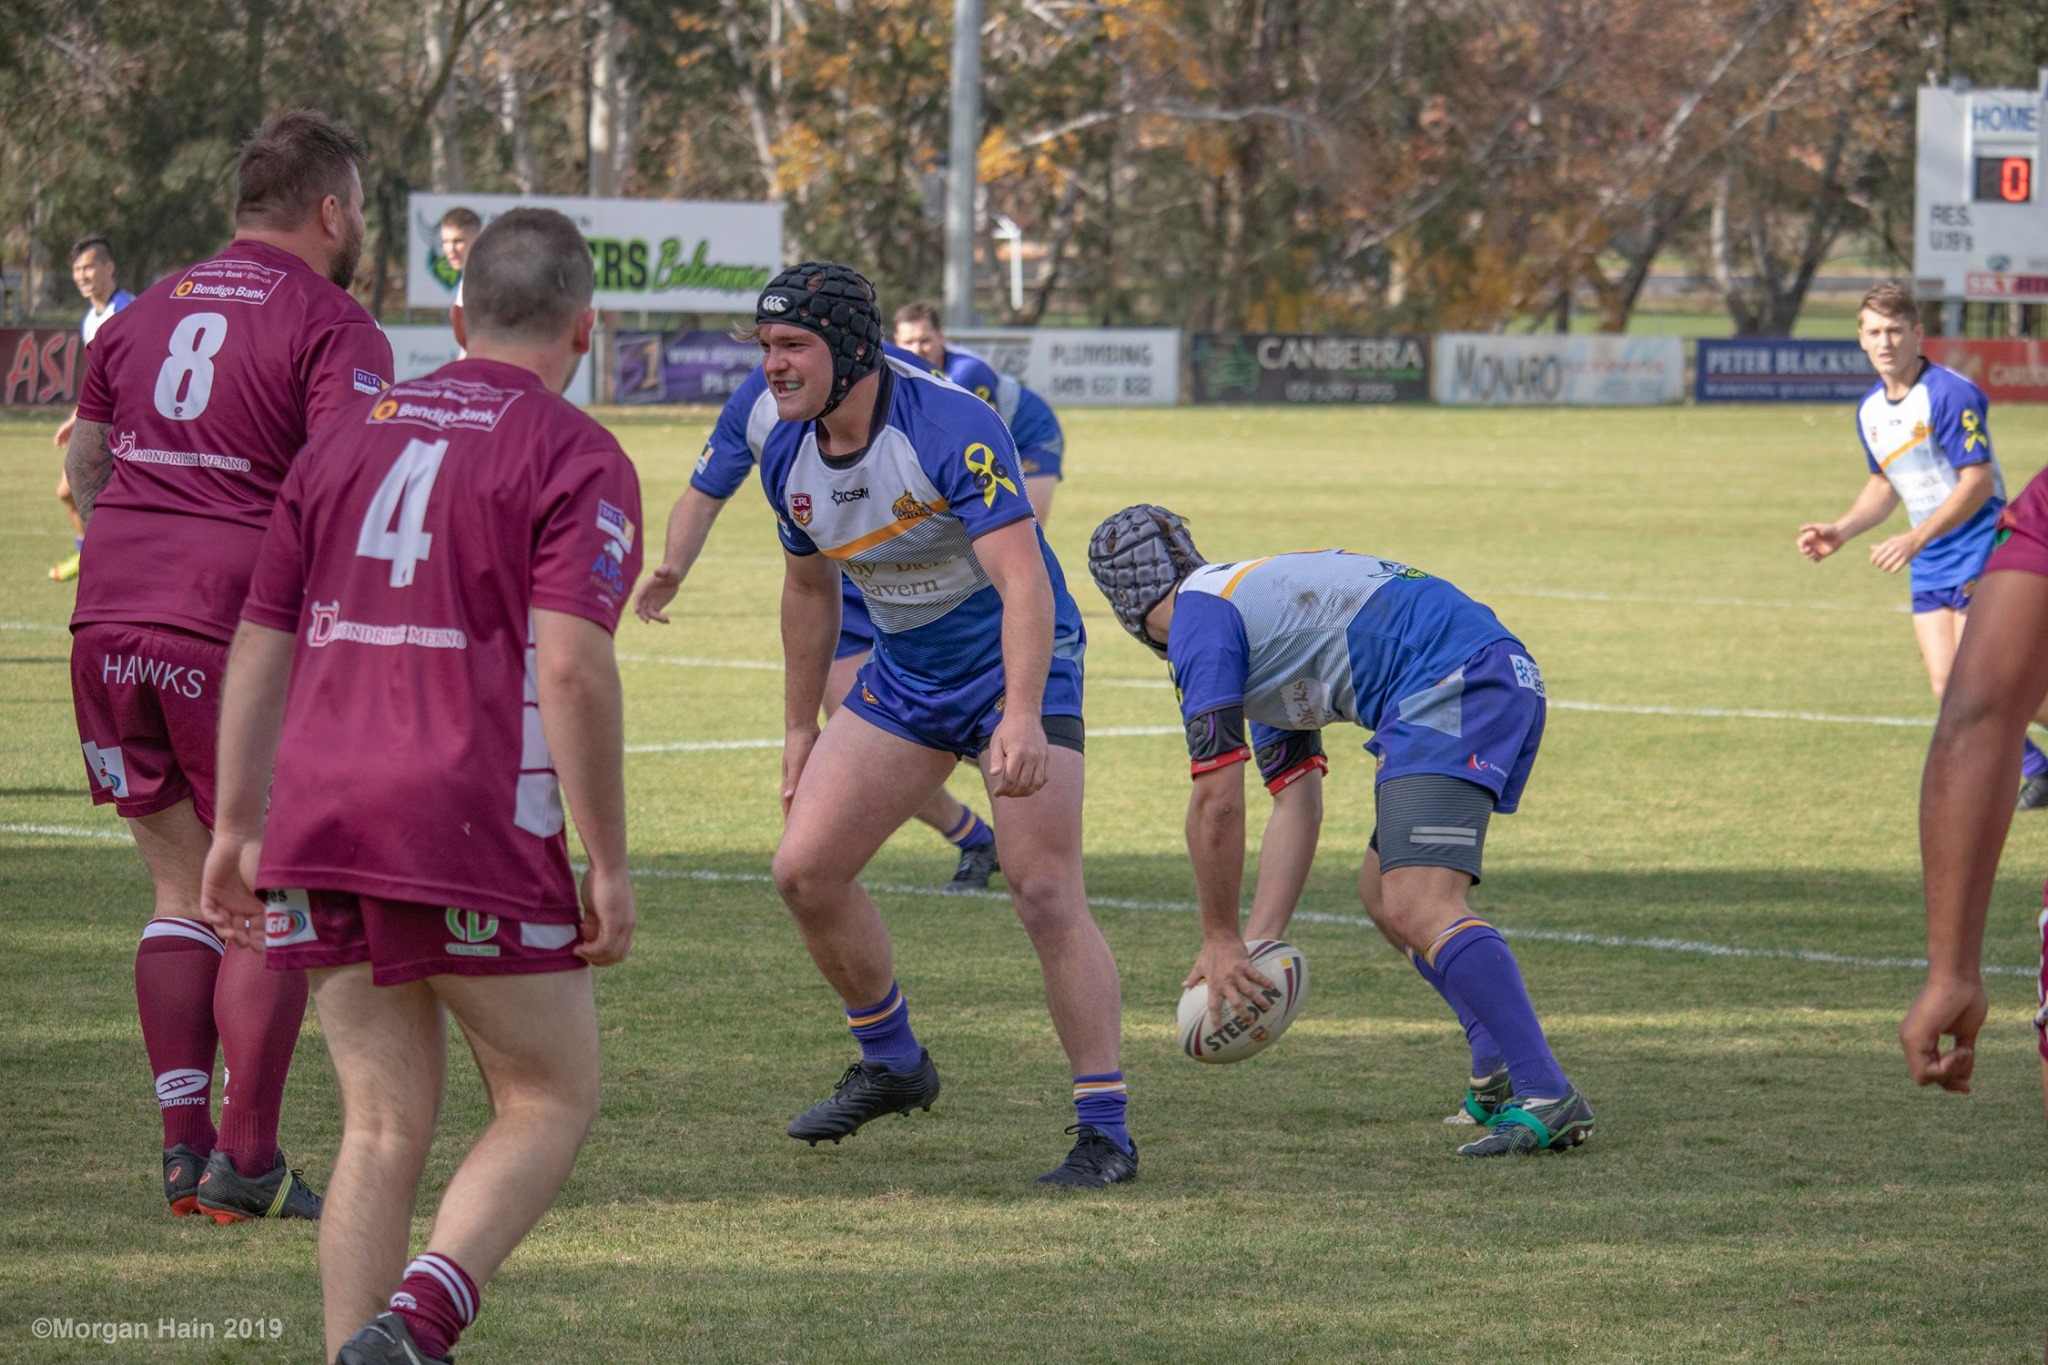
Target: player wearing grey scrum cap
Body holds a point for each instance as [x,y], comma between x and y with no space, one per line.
[1291,643]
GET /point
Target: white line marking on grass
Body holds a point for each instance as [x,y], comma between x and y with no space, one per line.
[1655,599]
[35,625]
[1740,713]
[713,745]
[755,664]
[65,832]
[1654,945]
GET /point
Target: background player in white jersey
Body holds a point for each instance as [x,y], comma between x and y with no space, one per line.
[909,484]
[1926,437]
[727,461]
[424,666]
[1041,445]
[1295,642]
[92,270]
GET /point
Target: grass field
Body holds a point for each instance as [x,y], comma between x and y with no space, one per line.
[1764,1184]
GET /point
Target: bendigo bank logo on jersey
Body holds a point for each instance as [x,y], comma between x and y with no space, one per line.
[472,932]
[229,282]
[800,508]
[445,405]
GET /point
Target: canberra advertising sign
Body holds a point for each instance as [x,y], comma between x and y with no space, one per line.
[2009,370]
[660,255]
[1778,370]
[1286,367]
[1523,371]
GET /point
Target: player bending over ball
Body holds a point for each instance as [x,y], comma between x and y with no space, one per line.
[910,485]
[205,388]
[1999,684]
[1041,446]
[1926,437]
[426,655]
[729,456]
[1295,642]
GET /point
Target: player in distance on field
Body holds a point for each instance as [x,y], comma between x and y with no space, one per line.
[909,484]
[1926,437]
[1041,445]
[196,400]
[728,458]
[1295,642]
[2000,683]
[92,270]
[423,670]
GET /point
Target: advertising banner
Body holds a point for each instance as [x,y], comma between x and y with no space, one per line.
[42,365]
[417,351]
[661,255]
[1779,370]
[1523,371]
[2014,371]
[1081,367]
[1286,367]
[679,367]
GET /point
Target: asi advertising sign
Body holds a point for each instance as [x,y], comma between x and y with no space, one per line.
[42,365]
[658,255]
[1083,367]
[2013,371]
[679,367]
[1285,367]
[1534,371]
[1778,370]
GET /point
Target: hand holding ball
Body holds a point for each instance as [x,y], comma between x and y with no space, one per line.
[1233,1038]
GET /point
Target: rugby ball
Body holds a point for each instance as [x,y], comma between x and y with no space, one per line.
[1234,1039]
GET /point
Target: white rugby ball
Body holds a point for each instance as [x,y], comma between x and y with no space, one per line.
[1233,1039]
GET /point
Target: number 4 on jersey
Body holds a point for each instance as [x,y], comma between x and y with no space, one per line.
[402,498]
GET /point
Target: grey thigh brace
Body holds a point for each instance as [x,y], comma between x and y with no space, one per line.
[1429,820]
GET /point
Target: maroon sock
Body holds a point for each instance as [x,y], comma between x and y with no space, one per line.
[437,1299]
[258,1012]
[175,967]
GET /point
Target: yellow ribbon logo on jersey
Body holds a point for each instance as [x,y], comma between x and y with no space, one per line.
[988,475]
[1974,432]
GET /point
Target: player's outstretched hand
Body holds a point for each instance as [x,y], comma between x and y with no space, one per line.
[608,918]
[226,896]
[1944,1007]
[796,751]
[64,431]
[1817,540]
[1228,970]
[1895,552]
[656,591]
[1017,761]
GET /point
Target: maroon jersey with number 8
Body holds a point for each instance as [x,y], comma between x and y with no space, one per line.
[412,541]
[210,383]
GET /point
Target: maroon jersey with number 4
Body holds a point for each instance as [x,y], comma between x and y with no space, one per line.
[412,542]
[210,383]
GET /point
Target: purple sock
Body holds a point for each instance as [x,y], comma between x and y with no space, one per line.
[2033,763]
[1474,961]
[437,1299]
[1485,1052]
[883,1030]
[1099,1102]
[971,831]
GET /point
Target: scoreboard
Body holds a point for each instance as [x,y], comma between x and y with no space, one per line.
[1980,216]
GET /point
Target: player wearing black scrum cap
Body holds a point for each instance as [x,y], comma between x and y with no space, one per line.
[910,485]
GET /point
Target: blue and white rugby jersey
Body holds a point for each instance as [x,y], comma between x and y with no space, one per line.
[1919,443]
[1304,640]
[901,518]
[736,439]
[981,379]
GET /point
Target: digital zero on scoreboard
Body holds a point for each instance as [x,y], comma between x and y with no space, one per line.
[2005,179]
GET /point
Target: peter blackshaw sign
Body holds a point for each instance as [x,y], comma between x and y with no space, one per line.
[660,255]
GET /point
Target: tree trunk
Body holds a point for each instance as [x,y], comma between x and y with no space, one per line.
[444,136]
[512,118]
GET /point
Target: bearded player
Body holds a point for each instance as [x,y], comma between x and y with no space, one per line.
[1292,643]
[728,458]
[909,485]
[427,653]
[1926,438]
[194,404]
